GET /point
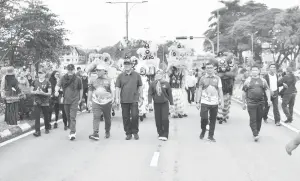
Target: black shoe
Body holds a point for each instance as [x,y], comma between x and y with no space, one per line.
[144,116]
[37,134]
[66,128]
[128,137]
[141,118]
[266,120]
[221,121]
[136,136]
[50,127]
[107,135]
[180,116]
[287,121]
[102,118]
[202,135]
[212,139]
[185,115]
[47,131]
[94,136]
[55,125]
[225,120]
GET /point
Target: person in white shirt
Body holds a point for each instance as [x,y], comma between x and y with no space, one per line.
[272,80]
[190,86]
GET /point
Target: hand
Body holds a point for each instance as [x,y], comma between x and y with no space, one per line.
[79,102]
[89,104]
[198,106]
[244,106]
[56,94]
[269,102]
[221,105]
[285,85]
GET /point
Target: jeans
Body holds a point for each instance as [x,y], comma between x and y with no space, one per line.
[130,110]
[71,113]
[213,111]
[37,114]
[288,100]
[98,110]
[256,113]
[276,113]
[161,113]
[191,94]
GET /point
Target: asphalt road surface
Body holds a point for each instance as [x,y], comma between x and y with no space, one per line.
[184,157]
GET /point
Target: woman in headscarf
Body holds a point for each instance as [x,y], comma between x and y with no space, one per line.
[56,103]
[11,93]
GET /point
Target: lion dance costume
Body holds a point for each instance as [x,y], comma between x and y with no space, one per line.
[179,61]
[227,70]
[146,66]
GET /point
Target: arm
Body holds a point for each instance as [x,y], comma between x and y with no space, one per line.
[3,87]
[267,89]
[58,85]
[150,93]
[245,89]
[118,89]
[220,91]
[49,89]
[199,90]
[81,89]
[140,86]
[112,88]
[169,91]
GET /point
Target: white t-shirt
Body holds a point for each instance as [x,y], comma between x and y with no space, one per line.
[273,82]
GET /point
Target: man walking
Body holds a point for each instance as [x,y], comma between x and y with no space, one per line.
[72,90]
[272,80]
[254,90]
[210,95]
[100,98]
[289,94]
[190,86]
[129,93]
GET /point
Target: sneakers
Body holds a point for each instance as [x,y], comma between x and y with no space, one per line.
[278,124]
[66,128]
[94,136]
[212,139]
[163,138]
[72,136]
[136,136]
[128,137]
[47,131]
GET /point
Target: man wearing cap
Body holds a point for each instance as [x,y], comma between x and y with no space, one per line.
[72,92]
[100,98]
[129,93]
[41,88]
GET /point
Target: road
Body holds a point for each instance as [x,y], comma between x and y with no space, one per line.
[234,157]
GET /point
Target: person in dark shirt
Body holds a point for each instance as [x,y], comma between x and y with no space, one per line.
[289,93]
[72,90]
[42,90]
[129,92]
[254,90]
[85,81]
[161,93]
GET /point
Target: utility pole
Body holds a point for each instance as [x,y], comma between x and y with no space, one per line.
[218,32]
[127,12]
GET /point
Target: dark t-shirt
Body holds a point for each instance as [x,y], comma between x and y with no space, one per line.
[41,86]
[255,90]
[72,92]
[129,84]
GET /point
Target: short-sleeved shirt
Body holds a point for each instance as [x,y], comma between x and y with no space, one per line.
[72,92]
[44,86]
[255,90]
[210,86]
[102,89]
[129,85]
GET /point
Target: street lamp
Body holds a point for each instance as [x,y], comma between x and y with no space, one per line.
[127,12]
[163,49]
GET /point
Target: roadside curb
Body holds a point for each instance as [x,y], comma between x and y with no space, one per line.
[24,128]
[238,100]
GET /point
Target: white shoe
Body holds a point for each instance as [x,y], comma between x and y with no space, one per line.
[72,136]
[164,138]
[160,138]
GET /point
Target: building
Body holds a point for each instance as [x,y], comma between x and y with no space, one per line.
[73,55]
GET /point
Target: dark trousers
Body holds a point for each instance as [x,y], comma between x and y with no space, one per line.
[161,113]
[98,111]
[191,94]
[213,111]
[64,115]
[54,107]
[130,110]
[256,112]
[288,100]
[71,113]
[37,114]
[276,113]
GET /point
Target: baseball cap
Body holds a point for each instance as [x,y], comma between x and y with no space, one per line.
[70,67]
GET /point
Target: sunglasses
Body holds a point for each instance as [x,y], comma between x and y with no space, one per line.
[127,63]
[41,72]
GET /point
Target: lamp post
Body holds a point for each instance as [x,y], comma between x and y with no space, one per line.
[163,49]
[127,12]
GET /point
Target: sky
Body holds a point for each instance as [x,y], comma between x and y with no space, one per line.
[96,24]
